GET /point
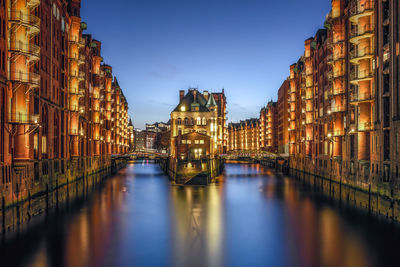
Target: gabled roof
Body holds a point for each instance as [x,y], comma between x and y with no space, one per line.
[190,100]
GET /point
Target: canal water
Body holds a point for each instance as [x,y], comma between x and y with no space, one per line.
[252,217]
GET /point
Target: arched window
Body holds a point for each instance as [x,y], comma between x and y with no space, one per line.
[204,121]
[192,121]
[198,121]
[179,121]
[186,121]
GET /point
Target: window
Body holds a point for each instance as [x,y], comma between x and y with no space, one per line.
[189,142]
[179,121]
[184,142]
[44,144]
[196,142]
[204,121]
[201,142]
[198,121]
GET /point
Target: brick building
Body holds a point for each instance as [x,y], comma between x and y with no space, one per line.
[204,113]
[339,110]
[63,113]
[244,136]
[282,118]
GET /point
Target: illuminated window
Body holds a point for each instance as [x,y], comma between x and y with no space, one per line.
[198,121]
[189,142]
[183,108]
[201,142]
[204,121]
[44,144]
[183,141]
[196,142]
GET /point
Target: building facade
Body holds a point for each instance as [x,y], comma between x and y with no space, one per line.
[63,113]
[339,109]
[201,113]
[244,136]
[282,118]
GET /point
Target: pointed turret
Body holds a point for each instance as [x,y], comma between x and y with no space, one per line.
[211,102]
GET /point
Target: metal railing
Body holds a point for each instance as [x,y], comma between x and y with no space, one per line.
[359,31]
[339,91]
[365,126]
[23,18]
[338,108]
[23,47]
[23,118]
[32,3]
[25,77]
[356,53]
[359,7]
[77,74]
[357,75]
[77,40]
[357,97]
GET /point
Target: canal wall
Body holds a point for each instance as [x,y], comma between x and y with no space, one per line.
[341,187]
[196,172]
[352,196]
[56,190]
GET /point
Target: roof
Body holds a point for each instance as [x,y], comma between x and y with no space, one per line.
[190,100]
[211,102]
[249,122]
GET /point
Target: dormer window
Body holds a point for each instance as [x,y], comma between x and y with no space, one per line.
[183,108]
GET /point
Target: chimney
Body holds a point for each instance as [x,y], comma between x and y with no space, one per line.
[205,93]
[181,95]
[194,96]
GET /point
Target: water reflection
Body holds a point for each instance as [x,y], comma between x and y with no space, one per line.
[197,225]
[252,218]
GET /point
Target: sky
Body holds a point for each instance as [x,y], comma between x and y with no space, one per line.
[158,47]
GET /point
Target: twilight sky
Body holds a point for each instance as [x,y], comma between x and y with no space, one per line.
[158,47]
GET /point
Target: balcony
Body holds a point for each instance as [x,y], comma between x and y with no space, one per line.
[338,108]
[77,75]
[74,132]
[77,41]
[338,133]
[337,91]
[365,126]
[360,9]
[27,20]
[357,76]
[359,54]
[24,48]
[75,91]
[333,17]
[334,40]
[32,4]
[358,33]
[334,74]
[361,97]
[309,96]
[81,59]
[23,118]
[29,78]
[74,108]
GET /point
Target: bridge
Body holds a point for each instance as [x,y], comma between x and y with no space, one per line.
[278,161]
[139,155]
